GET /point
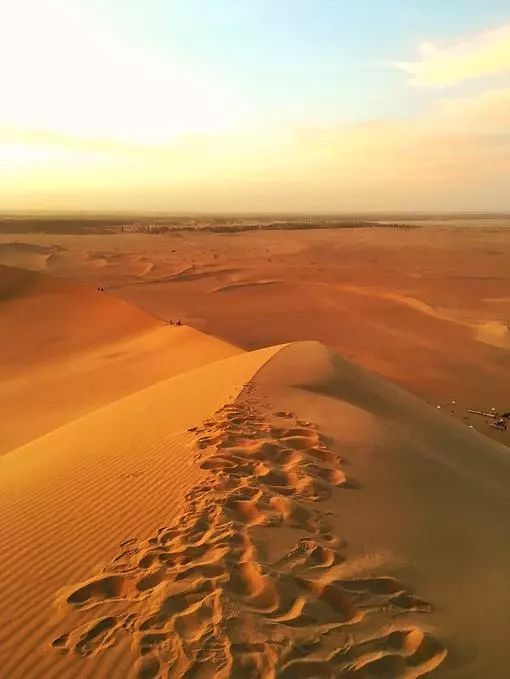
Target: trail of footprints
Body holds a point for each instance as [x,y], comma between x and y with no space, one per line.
[200,599]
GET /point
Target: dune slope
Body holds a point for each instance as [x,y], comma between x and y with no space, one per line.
[70,497]
[66,349]
[432,506]
[318,522]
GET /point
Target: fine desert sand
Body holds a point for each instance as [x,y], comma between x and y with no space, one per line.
[268,490]
[427,308]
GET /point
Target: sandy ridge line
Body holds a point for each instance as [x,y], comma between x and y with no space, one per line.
[202,592]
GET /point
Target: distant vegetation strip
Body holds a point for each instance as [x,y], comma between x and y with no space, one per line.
[98,226]
[276,226]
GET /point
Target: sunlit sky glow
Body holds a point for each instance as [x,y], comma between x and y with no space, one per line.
[222,105]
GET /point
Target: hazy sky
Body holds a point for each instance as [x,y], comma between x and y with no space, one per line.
[315,105]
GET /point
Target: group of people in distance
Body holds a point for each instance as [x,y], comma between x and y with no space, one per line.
[178,322]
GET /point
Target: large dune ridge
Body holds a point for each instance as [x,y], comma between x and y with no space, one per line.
[71,496]
[176,506]
[300,518]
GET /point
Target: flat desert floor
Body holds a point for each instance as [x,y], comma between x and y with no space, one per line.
[270,489]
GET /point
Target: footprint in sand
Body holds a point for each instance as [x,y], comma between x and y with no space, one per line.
[200,596]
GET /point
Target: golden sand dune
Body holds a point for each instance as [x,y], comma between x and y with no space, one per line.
[494,333]
[188,274]
[245,284]
[427,308]
[59,260]
[26,255]
[74,349]
[280,513]
[70,497]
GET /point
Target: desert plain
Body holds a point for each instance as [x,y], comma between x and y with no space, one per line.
[249,453]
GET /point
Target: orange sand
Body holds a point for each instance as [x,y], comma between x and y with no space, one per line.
[66,349]
[427,308]
[183,508]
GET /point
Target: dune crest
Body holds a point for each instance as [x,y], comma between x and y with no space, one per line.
[71,496]
[245,284]
[201,595]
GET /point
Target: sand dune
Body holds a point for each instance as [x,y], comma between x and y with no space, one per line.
[494,333]
[245,284]
[173,506]
[190,273]
[302,518]
[76,262]
[70,497]
[425,319]
[27,255]
[75,349]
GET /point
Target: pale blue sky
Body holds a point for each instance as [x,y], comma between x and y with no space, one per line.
[317,60]
[255,104]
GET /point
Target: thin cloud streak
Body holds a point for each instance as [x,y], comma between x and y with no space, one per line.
[483,54]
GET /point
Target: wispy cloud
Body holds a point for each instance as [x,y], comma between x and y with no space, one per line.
[474,56]
[455,157]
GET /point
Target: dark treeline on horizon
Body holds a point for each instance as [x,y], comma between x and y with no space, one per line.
[216,223]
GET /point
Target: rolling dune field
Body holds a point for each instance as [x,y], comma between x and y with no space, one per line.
[268,490]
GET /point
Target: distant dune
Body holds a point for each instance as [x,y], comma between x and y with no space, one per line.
[423,307]
[490,332]
[244,284]
[26,256]
[66,349]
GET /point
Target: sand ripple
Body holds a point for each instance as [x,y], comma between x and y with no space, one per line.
[202,598]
